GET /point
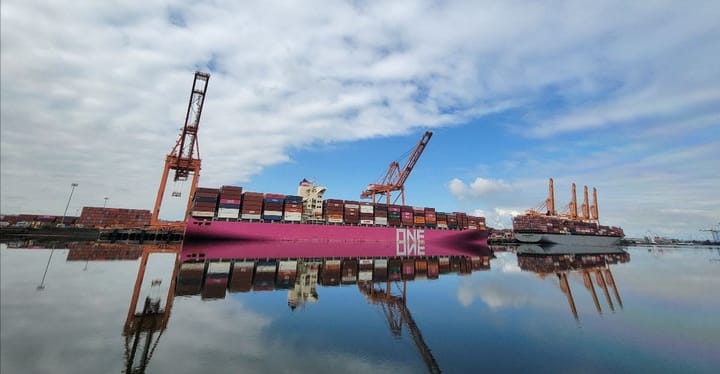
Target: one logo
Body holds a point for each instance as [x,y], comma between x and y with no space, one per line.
[409,242]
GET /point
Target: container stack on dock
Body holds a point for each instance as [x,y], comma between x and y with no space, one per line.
[114,217]
[230,200]
[205,202]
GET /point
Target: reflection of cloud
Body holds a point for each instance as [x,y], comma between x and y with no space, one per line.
[494,294]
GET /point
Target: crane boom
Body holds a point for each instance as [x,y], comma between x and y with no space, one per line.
[395,177]
[184,158]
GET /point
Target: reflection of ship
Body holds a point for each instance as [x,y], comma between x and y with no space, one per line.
[302,275]
[546,225]
[587,262]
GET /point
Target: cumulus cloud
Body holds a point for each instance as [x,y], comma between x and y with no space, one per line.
[479,187]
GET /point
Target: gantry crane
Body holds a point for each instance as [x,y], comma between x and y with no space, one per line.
[184,158]
[395,177]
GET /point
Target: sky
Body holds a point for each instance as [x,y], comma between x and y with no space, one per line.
[623,97]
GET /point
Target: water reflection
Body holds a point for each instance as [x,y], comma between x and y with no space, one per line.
[383,281]
[583,261]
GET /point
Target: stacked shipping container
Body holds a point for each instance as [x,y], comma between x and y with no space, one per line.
[114,217]
[559,225]
[230,200]
[252,204]
[205,202]
[277,207]
[293,208]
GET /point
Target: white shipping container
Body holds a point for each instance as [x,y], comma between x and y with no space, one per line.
[355,206]
[380,263]
[442,225]
[365,276]
[292,216]
[228,213]
[199,213]
[366,209]
[366,222]
[335,220]
[381,221]
[272,212]
[250,216]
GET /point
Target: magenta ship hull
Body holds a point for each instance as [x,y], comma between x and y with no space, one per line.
[242,239]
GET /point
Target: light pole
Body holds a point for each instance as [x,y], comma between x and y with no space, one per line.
[105,203]
[62,220]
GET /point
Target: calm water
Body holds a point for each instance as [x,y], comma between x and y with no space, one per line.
[664,318]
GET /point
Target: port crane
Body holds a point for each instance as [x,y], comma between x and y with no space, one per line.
[184,158]
[396,311]
[588,211]
[395,177]
[715,232]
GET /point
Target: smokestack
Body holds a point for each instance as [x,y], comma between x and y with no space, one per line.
[586,205]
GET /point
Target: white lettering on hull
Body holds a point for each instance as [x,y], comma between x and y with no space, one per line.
[409,242]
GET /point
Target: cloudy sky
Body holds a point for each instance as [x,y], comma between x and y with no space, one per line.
[624,97]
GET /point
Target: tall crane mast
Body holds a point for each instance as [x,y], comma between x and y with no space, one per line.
[184,158]
[395,177]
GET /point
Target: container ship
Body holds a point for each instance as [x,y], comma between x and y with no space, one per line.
[573,228]
[228,222]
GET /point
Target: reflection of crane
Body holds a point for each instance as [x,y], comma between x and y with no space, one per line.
[141,327]
[396,312]
[603,278]
[395,178]
[185,155]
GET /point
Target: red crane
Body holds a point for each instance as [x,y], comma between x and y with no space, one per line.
[395,177]
[185,155]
